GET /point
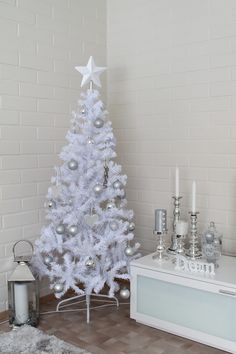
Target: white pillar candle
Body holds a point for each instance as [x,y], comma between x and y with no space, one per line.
[21,303]
[194,197]
[181,228]
[177,182]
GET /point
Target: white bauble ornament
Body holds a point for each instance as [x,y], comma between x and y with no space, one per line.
[60,229]
[110,205]
[131,226]
[125,293]
[90,263]
[129,251]
[113,225]
[58,287]
[90,220]
[47,260]
[73,165]
[98,123]
[117,184]
[98,188]
[73,230]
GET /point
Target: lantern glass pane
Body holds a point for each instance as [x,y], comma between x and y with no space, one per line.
[23,298]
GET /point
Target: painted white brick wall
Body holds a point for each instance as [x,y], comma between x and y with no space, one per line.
[172,98]
[41,42]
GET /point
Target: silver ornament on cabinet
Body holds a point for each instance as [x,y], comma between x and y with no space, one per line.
[131,226]
[110,205]
[209,236]
[73,165]
[98,188]
[129,251]
[58,287]
[98,123]
[117,184]
[47,260]
[90,263]
[124,293]
[113,225]
[60,229]
[73,230]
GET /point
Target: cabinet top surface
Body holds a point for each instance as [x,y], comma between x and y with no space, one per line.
[225,274]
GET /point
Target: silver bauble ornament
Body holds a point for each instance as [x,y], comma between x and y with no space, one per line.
[47,260]
[73,165]
[58,287]
[110,205]
[97,188]
[90,141]
[125,293]
[113,225]
[60,229]
[51,204]
[83,110]
[73,230]
[98,123]
[131,226]
[90,263]
[117,185]
[129,251]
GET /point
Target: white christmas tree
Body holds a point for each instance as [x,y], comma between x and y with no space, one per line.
[86,243]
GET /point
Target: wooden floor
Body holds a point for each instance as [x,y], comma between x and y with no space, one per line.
[111,331]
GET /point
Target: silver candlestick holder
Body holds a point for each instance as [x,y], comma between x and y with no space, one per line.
[194,250]
[176,212]
[160,231]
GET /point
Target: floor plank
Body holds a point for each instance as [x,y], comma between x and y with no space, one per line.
[111,331]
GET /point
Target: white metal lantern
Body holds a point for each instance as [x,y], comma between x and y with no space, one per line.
[23,293]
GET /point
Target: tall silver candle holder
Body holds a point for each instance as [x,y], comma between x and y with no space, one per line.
[194,250]
[176,212]
[160,231]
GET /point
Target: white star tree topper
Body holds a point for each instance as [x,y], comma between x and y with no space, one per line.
[90,72]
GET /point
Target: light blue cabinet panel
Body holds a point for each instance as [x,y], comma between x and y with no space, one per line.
[204,311]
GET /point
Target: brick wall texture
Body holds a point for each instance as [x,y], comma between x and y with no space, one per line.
[172,99]
[171,91]
[41,42]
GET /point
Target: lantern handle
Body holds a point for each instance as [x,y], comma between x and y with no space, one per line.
[19,258]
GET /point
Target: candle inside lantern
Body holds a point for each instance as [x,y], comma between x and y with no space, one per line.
[177,182]
[21,303]
[194,197]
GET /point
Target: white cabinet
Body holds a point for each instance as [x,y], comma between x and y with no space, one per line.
[196,306]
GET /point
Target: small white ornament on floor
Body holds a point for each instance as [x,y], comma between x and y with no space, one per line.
[125,293]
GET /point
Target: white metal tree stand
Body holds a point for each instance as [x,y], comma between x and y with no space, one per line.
[86,298]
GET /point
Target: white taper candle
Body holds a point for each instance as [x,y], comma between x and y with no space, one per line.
[21,303]
[177,182]
[194,197]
